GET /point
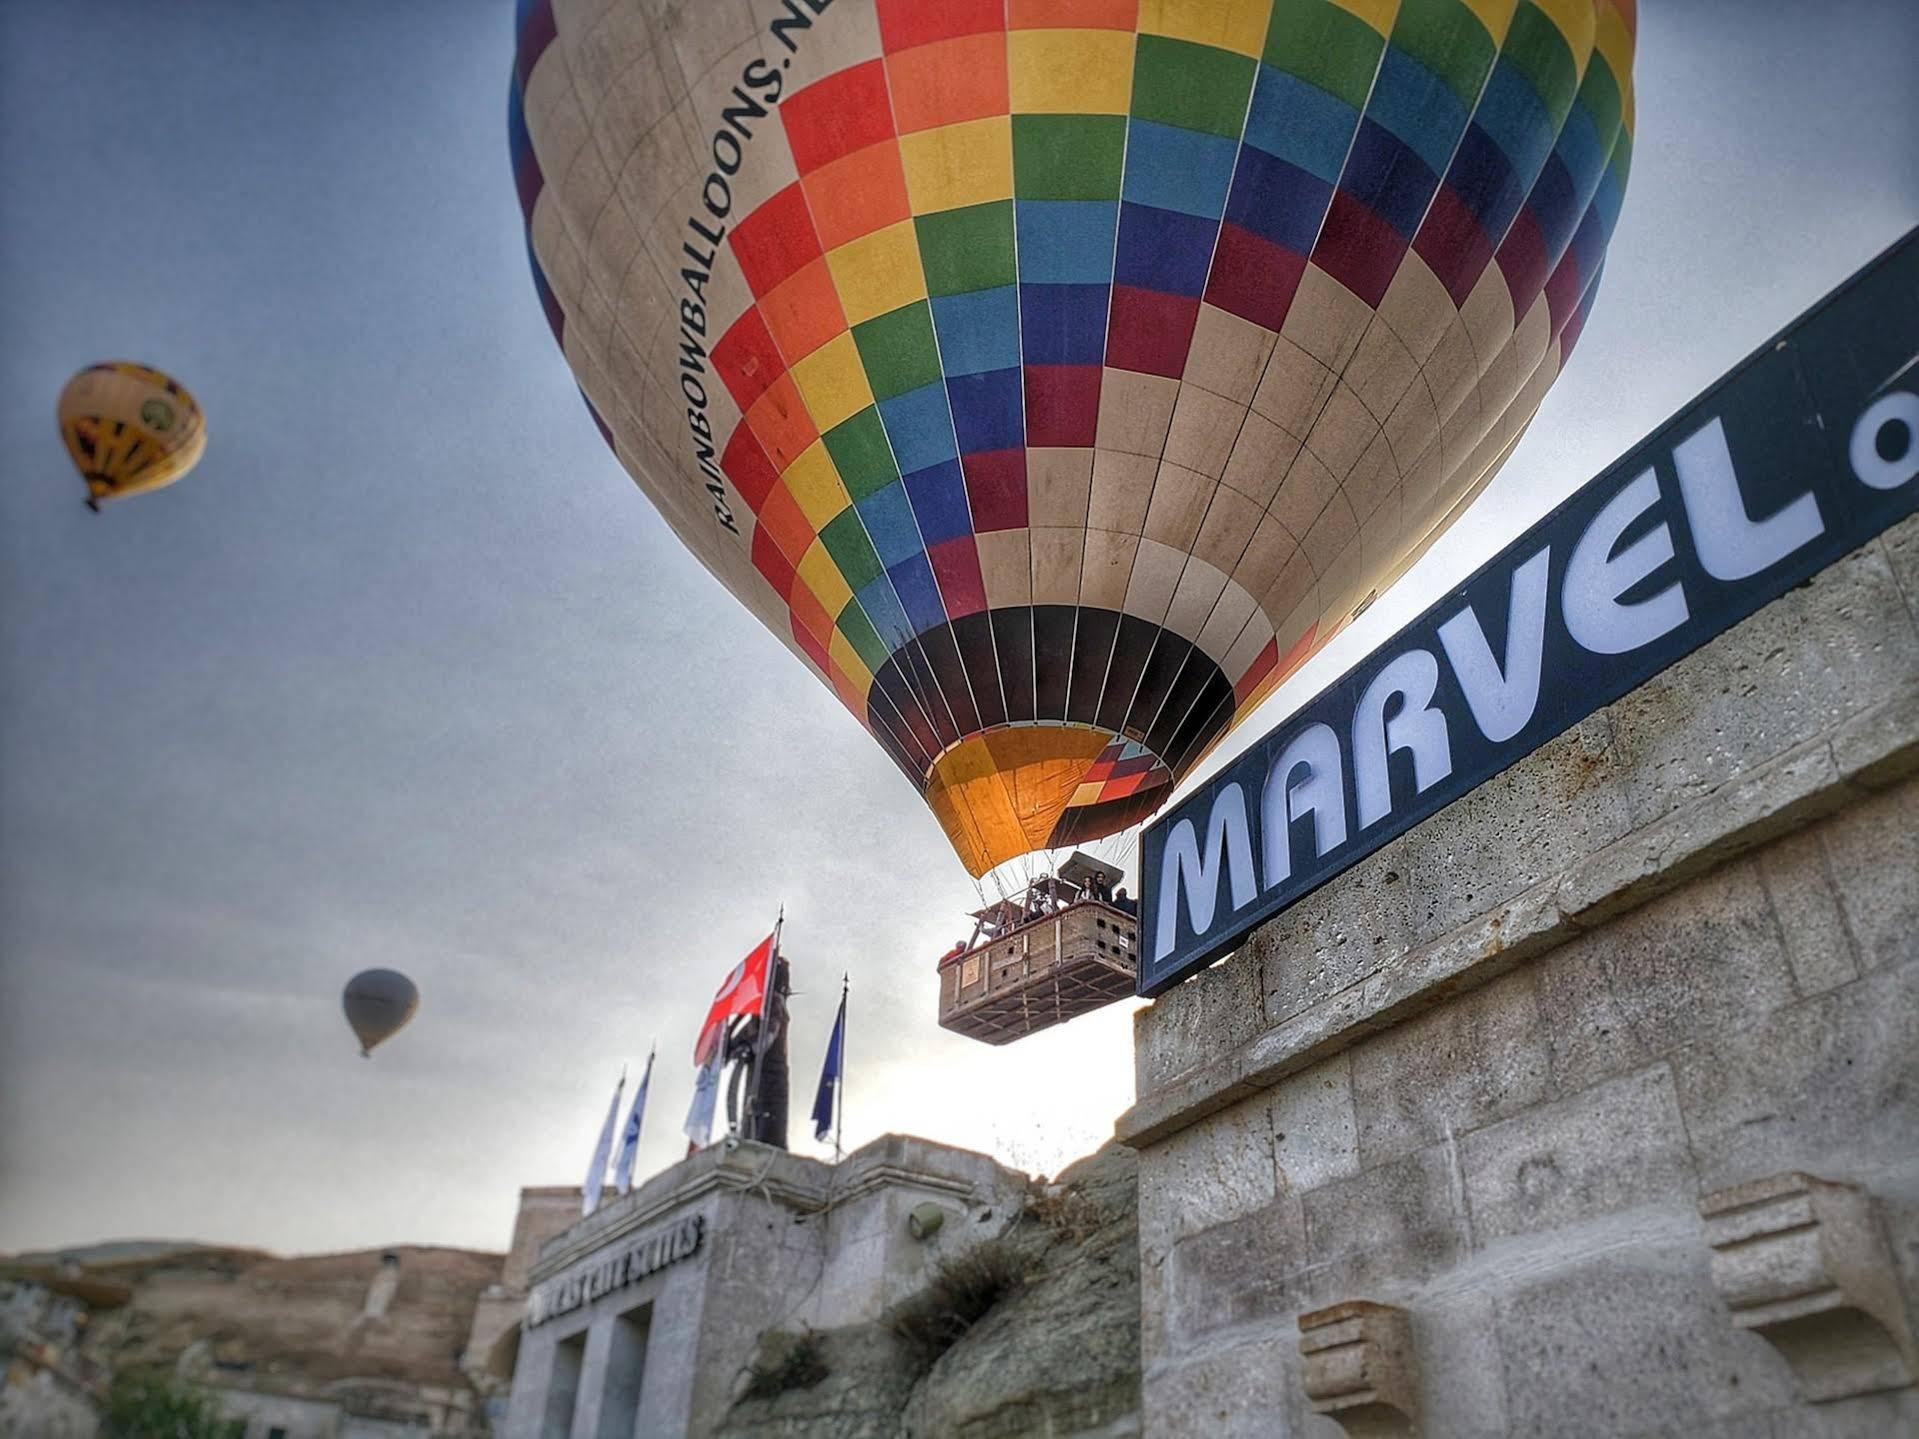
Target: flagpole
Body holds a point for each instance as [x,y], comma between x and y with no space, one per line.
[752,1106]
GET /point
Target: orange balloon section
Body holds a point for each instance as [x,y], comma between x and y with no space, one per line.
[1054,377]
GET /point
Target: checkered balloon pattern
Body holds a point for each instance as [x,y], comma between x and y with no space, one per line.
[1054,377]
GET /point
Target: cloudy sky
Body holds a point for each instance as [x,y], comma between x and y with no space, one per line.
[409,674]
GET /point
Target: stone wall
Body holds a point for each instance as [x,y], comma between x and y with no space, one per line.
[1501,1076]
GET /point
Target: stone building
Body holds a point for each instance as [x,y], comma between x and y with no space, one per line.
[641,1319]
[1591,1105]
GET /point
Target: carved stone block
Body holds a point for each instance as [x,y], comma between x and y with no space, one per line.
[1358,1367]
[1802,1262]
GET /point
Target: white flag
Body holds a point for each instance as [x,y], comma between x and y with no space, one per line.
[602,1151]
[706,1094]
[630,1141]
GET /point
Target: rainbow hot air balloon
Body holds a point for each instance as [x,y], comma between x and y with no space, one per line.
[129,429]
[1055,376]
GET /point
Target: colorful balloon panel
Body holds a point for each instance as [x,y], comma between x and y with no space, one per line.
[1056,376]
[129,428]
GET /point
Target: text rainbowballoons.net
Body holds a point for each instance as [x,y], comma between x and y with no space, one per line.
[1055,376]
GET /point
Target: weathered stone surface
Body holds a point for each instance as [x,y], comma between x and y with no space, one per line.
[1895,1192]
[1878,748]
[1900,545]
[1802,1088]
[1751,737]
[1195,1022]
[1464,1394]
[1335,936]
[1478,952]
[1798,668]
[1153,1287]
[1627,1344]
[1450,1070]
[1616,1146]
[1210,1173]
[865,1385]
[1519,828]
[1875,854]
[1246,1388]
[1253,1268]
[1514,831]
[1315,1133]
[1386,1229]
[1700,962]
[1805,905]
[1870,1416]
[1756,806]
[1195,1094]
[1358,1367]
[1802,1262]
[1057,1356]
[1060,1355]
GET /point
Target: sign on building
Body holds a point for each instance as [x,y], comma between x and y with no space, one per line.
[1801,454]
[626,1266]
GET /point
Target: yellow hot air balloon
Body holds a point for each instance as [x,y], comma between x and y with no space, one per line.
[1054,377]
[130,429]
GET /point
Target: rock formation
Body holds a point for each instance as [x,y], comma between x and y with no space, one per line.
[1054,1353]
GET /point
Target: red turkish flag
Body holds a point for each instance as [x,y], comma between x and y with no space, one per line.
[743,993]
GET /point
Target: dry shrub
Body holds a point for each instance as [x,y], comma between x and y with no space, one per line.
[1068,1214]
[783,1363]
[960,1293]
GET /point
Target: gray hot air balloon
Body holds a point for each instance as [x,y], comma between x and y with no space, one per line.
[378,1004]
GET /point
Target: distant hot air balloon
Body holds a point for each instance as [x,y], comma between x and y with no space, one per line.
[1055,376]
[129,429]
[378,1004]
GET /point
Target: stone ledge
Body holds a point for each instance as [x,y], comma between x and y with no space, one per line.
[1357,1367]
[795,1181]
[1874,749]
[1801,1261]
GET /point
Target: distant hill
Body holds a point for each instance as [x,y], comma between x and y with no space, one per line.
[106,1252]
[293,1324]
[379,1332]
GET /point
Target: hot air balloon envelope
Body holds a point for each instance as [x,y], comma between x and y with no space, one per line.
[378,1004]
[1054,377]
[129,429]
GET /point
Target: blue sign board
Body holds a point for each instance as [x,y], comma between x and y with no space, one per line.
[1800,455]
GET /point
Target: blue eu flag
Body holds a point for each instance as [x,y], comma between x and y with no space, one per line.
[830,1075]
